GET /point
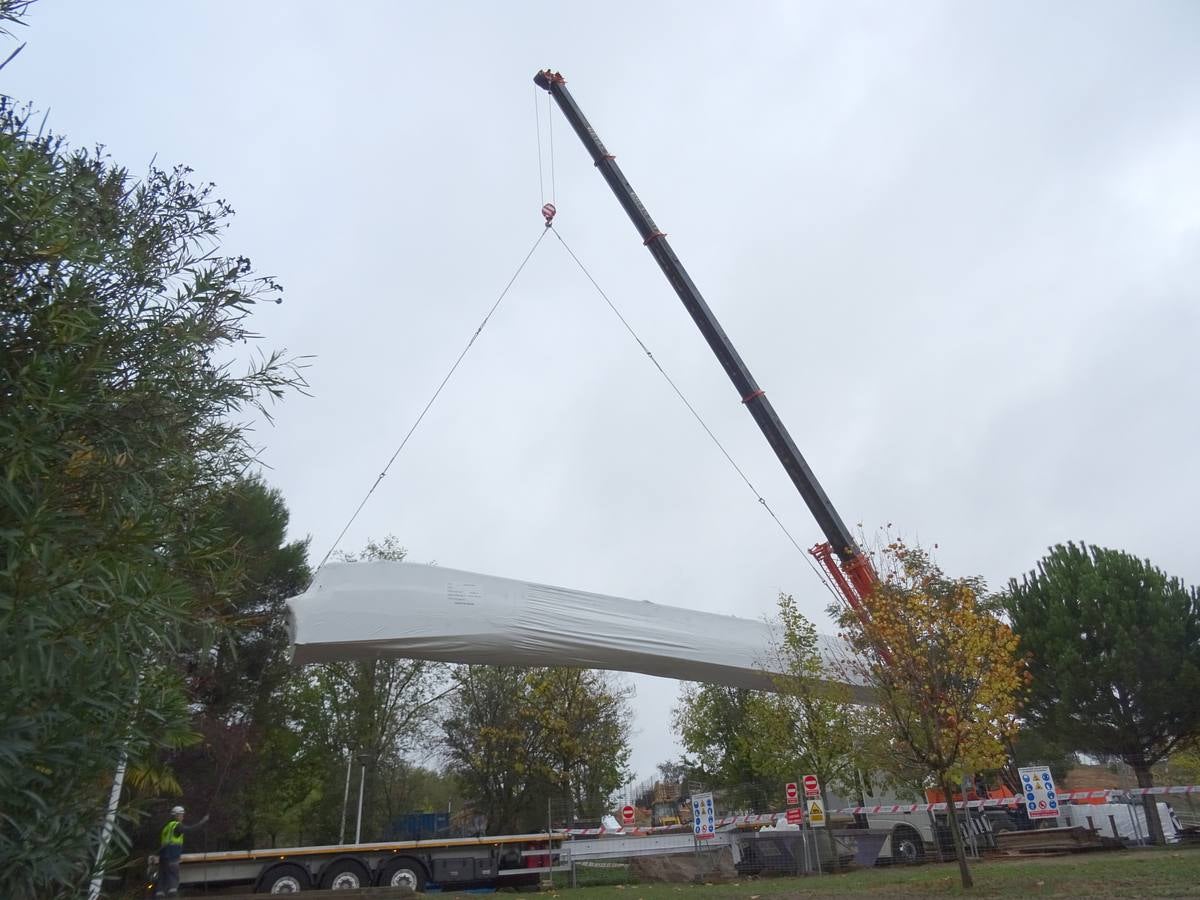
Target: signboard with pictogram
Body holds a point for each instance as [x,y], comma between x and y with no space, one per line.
[795,815]
[812,787]
[704,817]
[1041,796]
[816,813]
[627,814]
[791,793]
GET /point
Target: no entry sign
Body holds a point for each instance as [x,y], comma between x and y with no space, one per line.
[812,787]
[790,792]
[626,814]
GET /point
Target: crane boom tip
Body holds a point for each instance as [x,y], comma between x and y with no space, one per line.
[545,77]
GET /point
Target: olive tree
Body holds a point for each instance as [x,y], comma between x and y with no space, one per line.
[120,321]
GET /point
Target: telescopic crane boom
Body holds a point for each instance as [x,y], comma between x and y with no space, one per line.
[856,578]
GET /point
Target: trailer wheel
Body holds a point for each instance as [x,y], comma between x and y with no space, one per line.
[344,875]
[907,846]
[284,879]
[403,872]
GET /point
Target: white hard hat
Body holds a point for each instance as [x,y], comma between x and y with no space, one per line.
[177,811]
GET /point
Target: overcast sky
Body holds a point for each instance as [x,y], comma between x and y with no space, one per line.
[957,243]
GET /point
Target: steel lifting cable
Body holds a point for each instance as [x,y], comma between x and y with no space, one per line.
[537,124]
[679,393]
[550,129]
[437,392]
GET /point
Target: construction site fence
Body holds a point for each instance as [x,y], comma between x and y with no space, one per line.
[727,856]
[760,843]
[1180,792]
[1185,797]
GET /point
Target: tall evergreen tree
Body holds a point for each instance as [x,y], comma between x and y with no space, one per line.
[1114,647]
[237,685]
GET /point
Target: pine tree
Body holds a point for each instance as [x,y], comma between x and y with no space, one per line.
[1114,646]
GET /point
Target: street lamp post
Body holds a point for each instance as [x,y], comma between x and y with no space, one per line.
[363,758]
[346,796]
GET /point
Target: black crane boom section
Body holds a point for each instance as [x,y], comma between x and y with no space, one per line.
[752,396]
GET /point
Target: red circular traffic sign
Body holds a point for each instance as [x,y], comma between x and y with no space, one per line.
[790,791]
[810,785]
[627,814]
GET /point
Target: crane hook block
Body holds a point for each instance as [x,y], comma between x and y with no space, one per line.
[548,211]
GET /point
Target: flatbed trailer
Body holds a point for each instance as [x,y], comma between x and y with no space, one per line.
[499,861]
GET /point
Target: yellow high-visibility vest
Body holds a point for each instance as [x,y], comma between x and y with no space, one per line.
[171,835]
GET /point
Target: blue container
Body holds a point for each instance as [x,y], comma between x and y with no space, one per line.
[418,826]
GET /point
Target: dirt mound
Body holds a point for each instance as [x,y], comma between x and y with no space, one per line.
[680,868]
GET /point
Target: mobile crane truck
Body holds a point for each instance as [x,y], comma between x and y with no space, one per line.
[516,859]
[849,568]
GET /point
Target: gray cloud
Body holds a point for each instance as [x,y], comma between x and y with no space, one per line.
[958,245]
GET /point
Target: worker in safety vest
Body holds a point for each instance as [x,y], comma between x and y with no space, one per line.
[170,849]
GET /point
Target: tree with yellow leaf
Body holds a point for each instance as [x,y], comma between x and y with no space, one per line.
[943,667]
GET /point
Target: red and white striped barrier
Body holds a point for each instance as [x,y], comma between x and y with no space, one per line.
[891,809]
[1016,801]
[753,819]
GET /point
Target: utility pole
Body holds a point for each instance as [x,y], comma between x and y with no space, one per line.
[363,758]
[346,796]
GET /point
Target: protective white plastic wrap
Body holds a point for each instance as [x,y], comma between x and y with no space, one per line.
[366,610]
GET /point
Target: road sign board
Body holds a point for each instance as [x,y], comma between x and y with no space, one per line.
[816,814]
[812,788]
[627,814]
[1041,796]
[790,792]
[704,817]
[795,815]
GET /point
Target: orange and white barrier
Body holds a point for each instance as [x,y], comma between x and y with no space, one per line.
[1098,796]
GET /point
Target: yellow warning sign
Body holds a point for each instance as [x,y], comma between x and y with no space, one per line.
[816,814]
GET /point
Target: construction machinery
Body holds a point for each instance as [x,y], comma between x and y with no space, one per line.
[351,601]
[849,568]
[847,565]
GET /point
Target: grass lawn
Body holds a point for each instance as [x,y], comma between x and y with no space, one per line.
[1130,873]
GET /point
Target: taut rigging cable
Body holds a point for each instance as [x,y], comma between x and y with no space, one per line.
[683,399]
[548,210]
[453,368]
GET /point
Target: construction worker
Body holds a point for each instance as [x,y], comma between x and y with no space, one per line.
[169,851]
